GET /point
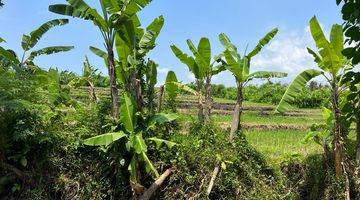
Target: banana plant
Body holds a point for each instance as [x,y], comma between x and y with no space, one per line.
[114,15]
[332,65]
[321,133]
[203,67]
[134,129]
[350,107]
[171,90]
[150,82]
[240,68]
[28,43]
[133,43]
[89,77]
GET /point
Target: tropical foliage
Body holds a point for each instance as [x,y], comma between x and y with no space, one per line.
[203,67]
[240,68]
[127,136]
[26,62]
[333,66]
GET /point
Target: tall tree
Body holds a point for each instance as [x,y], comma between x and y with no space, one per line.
[203,67]
[332,66]
[240,68]
[114,15]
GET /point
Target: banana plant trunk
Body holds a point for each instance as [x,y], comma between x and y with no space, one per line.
[160,98]
[199,85]
[208,100]
[92,93]
[138,94]
[358,139]
[236,122]
[113,87]
[338,139]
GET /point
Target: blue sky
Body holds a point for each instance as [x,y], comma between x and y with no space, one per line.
[245,22]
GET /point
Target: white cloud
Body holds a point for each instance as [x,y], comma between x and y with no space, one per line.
[287,53]
[163,70]
[190,76]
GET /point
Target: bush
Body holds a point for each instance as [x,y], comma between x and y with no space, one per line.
[244,173]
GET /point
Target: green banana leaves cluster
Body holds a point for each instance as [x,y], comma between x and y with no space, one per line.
[89,77]
[133,132]
[240,66]
[115,12]
[118,24]
[132,47]
[200,64]
[329,59]
[29,41]
[321,134]
[203,66]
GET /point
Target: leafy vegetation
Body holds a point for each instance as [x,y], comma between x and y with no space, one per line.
[350,14]
[240,68]
[121,136]
[203,68]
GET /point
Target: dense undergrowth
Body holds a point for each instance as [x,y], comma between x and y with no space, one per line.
[58,166]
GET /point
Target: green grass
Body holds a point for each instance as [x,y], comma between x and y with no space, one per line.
[254,117]
[279,145]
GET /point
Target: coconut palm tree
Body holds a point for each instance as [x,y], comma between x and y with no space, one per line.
[332,65]
[240,68]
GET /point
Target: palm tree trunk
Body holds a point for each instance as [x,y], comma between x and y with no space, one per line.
[338,139]
[208,100]
[236,122]
[113,87]
[200,101]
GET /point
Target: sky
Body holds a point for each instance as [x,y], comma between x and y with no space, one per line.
[245,22]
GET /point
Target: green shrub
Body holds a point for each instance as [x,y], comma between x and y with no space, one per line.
[244,173]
